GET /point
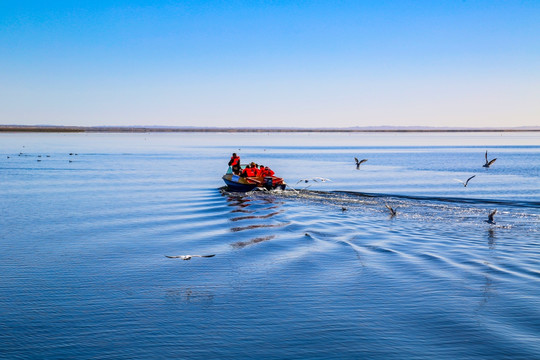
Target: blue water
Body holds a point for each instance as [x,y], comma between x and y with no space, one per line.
[319,272]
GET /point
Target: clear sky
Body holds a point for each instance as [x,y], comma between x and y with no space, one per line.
[332,63]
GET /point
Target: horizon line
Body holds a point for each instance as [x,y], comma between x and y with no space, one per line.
[160,128]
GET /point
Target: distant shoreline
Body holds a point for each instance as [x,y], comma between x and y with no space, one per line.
[143,129]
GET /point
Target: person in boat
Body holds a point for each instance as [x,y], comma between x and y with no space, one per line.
[260,171]
[267,171]
[234,163]
[250,171]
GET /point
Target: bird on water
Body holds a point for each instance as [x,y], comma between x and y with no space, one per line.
[393,212]
[490,217]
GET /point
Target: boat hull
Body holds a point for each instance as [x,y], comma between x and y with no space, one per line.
[236,183]
[241,184]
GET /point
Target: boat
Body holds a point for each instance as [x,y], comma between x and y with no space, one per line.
[243,184]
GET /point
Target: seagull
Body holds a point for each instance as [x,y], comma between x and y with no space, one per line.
[392,211]
[488,163]
[490,217]
[465,183]
[321,179]
[315,179]
[359,162]
[188,257]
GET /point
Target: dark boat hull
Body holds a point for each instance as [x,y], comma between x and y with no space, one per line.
[234,183]
[240,184]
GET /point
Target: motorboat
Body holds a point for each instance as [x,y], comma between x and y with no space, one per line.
[242,184]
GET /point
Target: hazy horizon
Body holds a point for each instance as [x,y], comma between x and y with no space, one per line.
[322,64]
[284,129]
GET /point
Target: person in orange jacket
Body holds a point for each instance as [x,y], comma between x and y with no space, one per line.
[260,171]
[235,163]
[249,171]
[267,172]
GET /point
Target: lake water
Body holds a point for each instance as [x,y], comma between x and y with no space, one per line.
[319,272]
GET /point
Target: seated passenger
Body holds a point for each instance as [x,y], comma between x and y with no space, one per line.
[267,172]
[260,171]
[245,172]
[249,171]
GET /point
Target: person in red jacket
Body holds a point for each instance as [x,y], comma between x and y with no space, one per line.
[250,171]
[260,171]
[235,163]
[267,172]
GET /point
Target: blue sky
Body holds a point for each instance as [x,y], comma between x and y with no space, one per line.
[270,63]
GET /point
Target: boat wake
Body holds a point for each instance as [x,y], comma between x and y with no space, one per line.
[512,203]
[510,214]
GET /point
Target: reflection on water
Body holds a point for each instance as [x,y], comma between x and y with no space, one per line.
[256,216]
[257,226]
[487,291]
[263,204]
[190,295]
[241,244]
[491,238]
[238,201]
[241,211]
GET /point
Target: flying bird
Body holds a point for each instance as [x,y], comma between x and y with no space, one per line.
[188,257]
[490,217]
[465,183]
[321,179]
[488,163]
[359,162]
[315,179]
[393,212]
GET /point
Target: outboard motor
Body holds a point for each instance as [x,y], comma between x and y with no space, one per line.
[268,183]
